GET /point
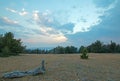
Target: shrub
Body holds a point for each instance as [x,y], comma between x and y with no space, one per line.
[84,54]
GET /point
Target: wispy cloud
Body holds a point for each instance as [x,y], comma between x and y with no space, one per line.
[22,12]
[46,35]
[43,18]
[11,10]
[44,32]
[38,31]
[5,21]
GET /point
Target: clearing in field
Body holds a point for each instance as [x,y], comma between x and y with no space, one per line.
[99,67]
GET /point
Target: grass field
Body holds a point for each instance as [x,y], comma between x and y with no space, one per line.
[99,67]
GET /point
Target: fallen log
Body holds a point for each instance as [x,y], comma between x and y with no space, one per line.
[18,74]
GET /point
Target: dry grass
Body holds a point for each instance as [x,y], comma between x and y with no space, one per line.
[99,67]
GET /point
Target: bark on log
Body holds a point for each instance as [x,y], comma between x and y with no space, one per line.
[17,74]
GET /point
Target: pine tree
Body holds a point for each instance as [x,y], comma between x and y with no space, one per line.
[84,53]
[9,45]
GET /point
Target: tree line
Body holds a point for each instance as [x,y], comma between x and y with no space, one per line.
[100,47]
[11,46]
[96,47]
[56,50]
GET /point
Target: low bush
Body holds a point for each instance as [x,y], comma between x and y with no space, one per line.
[84,54]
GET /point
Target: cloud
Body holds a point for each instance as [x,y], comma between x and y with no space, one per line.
[44,30]
[36,16]
[5,21]
[43,18]
[21,13]
[8,25]
[46,19]
[84,17]
[72,22]
[43,39]
[45,35]
[54,26]
[110,25]
[11,10]
[39,31]
[105,31]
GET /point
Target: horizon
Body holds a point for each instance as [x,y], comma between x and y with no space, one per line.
[61,23]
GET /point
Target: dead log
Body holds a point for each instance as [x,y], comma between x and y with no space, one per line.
[18,74]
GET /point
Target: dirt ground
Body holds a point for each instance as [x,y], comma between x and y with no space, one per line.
[99,67]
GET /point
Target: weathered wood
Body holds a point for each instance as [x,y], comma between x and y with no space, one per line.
[17,74]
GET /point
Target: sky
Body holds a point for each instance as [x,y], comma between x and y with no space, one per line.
[49,23]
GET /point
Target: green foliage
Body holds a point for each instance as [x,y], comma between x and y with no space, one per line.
[113,47]
[96,47]
[64,50]
[99,47]
[10,46]
[59,50]
[84,53]
[5,52]
[70,49]
[81,49]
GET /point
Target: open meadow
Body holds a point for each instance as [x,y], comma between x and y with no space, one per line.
[61,67]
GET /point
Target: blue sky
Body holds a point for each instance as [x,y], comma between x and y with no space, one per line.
[49,23]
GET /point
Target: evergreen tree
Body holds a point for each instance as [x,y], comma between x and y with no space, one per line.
[9,45]
[113,47]
[5,52]
[84,53]
[95,47]
[1,43]
[81,49]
